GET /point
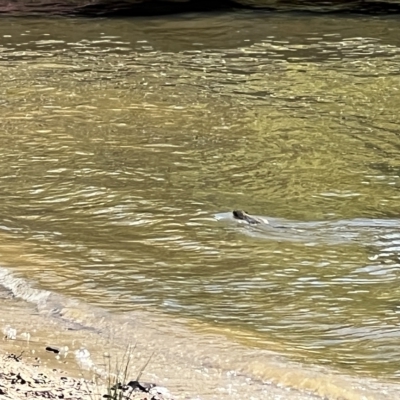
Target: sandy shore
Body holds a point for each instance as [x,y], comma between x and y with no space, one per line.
[20,379]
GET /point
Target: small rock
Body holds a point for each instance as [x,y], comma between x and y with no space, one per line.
[10,333]
[142,387]
[53,349]
[160,390]
[20,379]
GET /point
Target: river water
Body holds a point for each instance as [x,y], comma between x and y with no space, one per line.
[124,140]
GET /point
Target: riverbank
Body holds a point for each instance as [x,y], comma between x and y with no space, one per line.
[102,8]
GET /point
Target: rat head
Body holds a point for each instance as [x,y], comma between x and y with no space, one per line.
[239,214]
[244,216]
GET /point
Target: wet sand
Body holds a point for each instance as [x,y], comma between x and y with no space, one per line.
[27,370]
[43,362]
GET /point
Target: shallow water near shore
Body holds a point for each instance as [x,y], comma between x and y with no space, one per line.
[123,139]
[199,362]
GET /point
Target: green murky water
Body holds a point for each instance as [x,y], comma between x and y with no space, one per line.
[121,139]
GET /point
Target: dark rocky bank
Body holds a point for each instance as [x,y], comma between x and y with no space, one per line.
[99,8]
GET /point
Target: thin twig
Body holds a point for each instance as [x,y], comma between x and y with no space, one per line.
[145,365]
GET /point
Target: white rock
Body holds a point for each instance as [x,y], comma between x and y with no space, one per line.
[9,332]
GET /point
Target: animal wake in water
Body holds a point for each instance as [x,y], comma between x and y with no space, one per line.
[366,230]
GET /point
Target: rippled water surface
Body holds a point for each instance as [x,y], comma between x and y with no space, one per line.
[122,139]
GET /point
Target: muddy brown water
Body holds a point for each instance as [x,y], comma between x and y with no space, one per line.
[121,142]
